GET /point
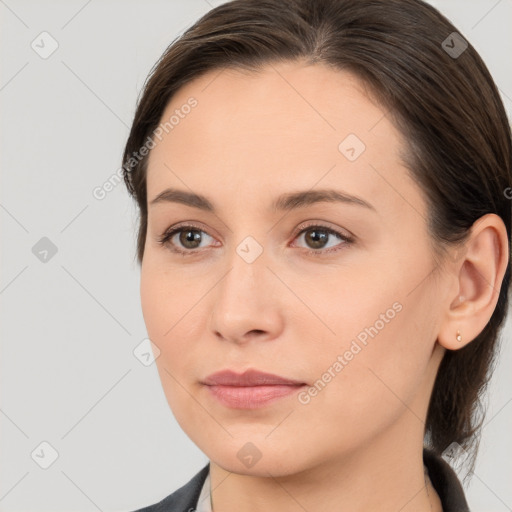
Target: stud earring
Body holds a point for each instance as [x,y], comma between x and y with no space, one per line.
[458,336]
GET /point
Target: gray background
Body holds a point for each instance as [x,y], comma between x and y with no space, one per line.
[69,325]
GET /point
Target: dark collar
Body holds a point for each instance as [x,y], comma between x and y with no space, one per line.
[443,478]
[445,482]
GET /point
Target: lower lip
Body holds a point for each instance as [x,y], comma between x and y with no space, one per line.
[251,397]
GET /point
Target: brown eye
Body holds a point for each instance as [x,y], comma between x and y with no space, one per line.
[184,239]
[317,238]
[190,238]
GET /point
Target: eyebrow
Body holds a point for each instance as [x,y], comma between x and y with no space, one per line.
[285,202]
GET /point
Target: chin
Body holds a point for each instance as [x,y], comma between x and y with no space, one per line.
[273,466]
[254,458]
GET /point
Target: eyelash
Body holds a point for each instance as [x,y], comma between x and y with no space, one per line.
[164,240]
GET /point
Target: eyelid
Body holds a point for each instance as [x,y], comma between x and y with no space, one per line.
[324,225]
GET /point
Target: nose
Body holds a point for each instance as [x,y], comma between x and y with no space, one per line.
[246,302]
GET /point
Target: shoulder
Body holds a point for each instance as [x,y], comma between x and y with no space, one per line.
[445,482]
[183,499]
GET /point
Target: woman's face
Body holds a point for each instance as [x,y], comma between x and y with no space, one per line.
[261,283]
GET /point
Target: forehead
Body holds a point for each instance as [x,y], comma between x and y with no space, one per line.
[289,124]
[309,101]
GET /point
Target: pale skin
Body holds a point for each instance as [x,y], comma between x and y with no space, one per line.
[357,445]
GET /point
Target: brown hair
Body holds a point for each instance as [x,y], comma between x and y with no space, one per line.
[440,96]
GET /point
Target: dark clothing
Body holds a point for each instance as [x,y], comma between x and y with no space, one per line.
[443,478]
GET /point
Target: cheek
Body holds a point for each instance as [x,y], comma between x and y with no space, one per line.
[361,389]
[164,307]
[175,319]
[164,298]
[369,371]
[154,302]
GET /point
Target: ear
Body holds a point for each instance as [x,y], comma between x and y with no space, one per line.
[480,266]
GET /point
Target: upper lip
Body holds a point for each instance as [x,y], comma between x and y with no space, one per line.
[250,377]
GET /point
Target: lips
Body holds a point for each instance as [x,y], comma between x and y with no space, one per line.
[249,390]
[250,377]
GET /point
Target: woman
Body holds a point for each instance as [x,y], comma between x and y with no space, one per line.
[324,248]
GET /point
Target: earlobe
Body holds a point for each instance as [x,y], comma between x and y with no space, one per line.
[480,272]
